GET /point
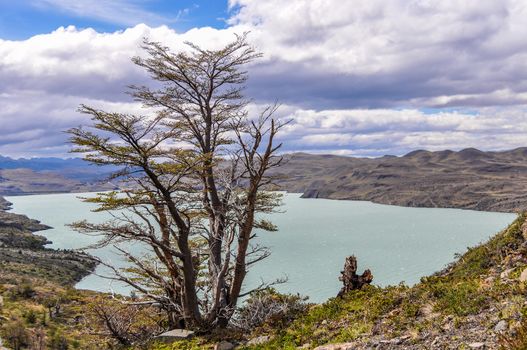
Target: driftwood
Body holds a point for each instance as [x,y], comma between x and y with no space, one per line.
[350,279]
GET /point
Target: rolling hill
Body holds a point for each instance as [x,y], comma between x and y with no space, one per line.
[469,179]
[50,175]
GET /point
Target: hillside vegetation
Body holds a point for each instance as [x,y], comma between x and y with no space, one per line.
[39,309]
[477,302]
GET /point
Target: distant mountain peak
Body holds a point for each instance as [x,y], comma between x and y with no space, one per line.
[419,152]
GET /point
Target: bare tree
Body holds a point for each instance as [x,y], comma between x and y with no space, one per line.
[121,323]
[196,171]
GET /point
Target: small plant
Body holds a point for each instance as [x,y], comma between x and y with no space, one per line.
[58,341]
[124,324]
[15,334]
[30,316]
[518,341]
[461,299]
[23,291]
[269,306]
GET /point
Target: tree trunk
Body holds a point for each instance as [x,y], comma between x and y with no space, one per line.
[350,279]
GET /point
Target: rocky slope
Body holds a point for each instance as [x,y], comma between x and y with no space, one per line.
[470,179]
[4,205]
[71,168]
[51,175]
[478,302]
[23,253]
[26,181]
[39,309]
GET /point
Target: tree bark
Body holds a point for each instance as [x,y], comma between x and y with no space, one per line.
[350,279]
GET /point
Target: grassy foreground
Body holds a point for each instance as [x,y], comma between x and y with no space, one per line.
[39,309]
[479,301]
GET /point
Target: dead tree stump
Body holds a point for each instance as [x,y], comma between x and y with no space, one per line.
[350,279]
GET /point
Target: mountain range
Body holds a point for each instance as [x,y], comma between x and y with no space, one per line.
[469,179]
[51,175]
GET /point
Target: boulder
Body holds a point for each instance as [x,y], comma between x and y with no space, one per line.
[501,326]
[259,340]
[523,275]
[340,346]
[176,334]
[224,345]
[506,273]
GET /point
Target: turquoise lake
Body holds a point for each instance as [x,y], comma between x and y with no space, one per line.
[315,235]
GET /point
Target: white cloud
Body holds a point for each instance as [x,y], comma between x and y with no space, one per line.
[392,53]
[354,76]
[45,78]
[375,132]
[73,61]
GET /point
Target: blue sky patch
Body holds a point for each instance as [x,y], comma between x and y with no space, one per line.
[23,19]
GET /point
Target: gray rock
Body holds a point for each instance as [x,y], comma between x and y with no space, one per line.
[340,346]
[523,275]
[259,340]
[506,273]
[501,326]
[436,341]
[477,345]
[524,231]
[396,341]
[175,334]
[224,345]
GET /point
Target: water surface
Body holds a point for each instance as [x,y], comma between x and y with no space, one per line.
[315,235]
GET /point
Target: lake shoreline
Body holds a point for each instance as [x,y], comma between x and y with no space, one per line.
[20,244]
[303,195]
[365,229]
[468,179]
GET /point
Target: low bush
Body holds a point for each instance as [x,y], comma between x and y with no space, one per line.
[516,341]
[15,334]
[268,306]
[460,299]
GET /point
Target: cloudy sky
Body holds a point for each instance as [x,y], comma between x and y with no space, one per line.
[363,78]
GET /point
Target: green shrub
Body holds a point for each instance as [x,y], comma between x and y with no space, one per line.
[23,291]
[30,316]
[461,299]
[269,307]
[15,334]
[58,341]
[517,341]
